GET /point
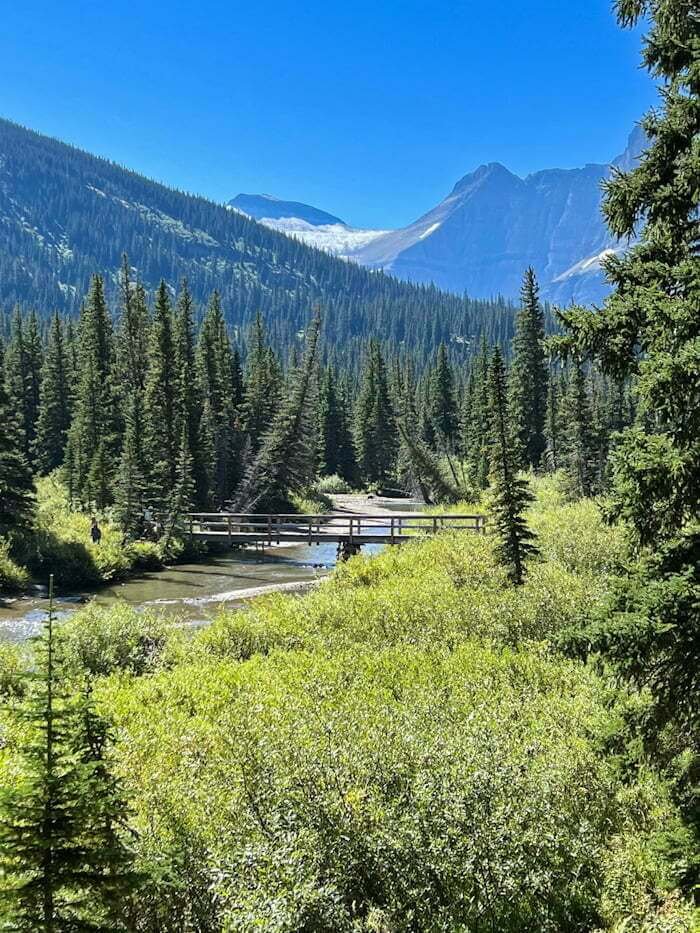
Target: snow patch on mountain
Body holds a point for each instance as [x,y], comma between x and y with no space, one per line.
[338,239]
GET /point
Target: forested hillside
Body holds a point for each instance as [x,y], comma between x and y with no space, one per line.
[65,215]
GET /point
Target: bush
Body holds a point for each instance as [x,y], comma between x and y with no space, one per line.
[14,665]
[330,485]
[145,555]
[401,789]
[100,641]
[13,577]
[62,545]
[310,502]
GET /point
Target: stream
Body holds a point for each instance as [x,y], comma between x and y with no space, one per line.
[193,593]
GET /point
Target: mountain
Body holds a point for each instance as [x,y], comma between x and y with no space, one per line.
[65,214]
[490,227]
[493,224]
[303,222]
[265,207]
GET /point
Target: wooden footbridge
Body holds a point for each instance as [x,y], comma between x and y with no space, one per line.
[348,531]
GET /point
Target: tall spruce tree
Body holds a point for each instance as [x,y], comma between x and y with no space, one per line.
[261,385]
[16,486]
[188,389]
[55,401]
[92,438]
[23,362]
[649,327]
[64,863]
[577,446]
[285,461]
[215,374]
[442,401]
[511,494]
[336,455]
[528,375]
[161,400]
[374,421]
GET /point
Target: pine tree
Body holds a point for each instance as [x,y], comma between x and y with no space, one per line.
[476,431]
[131,484]
[261,386]
[215,373]
[552,422]
[284,464]
[374,422]
[188,390]
[55,402]
[23,361]
[161,401]
[442,401]
[64,863]
[92,438]
[336,451]
[16,487]
[528,375]
[434,488]
[649,327]
[511,494]
[578,441]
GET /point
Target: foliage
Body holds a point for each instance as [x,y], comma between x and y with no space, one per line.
[332,485]
[528,378]
[64,863]
[649,329]
[13,577]
[61,542]
[511,494]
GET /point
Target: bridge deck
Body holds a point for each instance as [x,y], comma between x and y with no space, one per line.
[237,529]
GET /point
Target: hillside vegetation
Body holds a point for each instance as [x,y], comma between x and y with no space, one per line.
[403,749]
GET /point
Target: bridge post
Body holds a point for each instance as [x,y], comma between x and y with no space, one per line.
[269,531]
[392,531]
[228,524]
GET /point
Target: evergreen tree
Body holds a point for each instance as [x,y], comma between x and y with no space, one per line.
[55,401]
[443,404]
[336,455]
[16,487]
[23,361]
[284,463]
[375,425]
[649,327]
[528,375]
[476,431]
[188,391]
[552,423]
[261,385]
[511,494]
[215,373]
[161,400]
[131,485]
[434,488]
[578,442]
[92,437]
[64,863]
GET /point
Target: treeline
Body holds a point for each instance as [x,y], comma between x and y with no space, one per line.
[67,214]
[155,412]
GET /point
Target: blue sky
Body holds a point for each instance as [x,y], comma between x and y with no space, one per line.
[370,110]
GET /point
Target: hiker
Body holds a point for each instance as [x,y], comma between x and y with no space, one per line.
[95,531]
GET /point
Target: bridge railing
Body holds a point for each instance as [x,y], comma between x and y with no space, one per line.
[278,527]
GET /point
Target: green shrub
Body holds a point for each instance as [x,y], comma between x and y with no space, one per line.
[99,641]
[14,665]
[13,577]
[310,502]
[145,555]
[330,485]
[402,789]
